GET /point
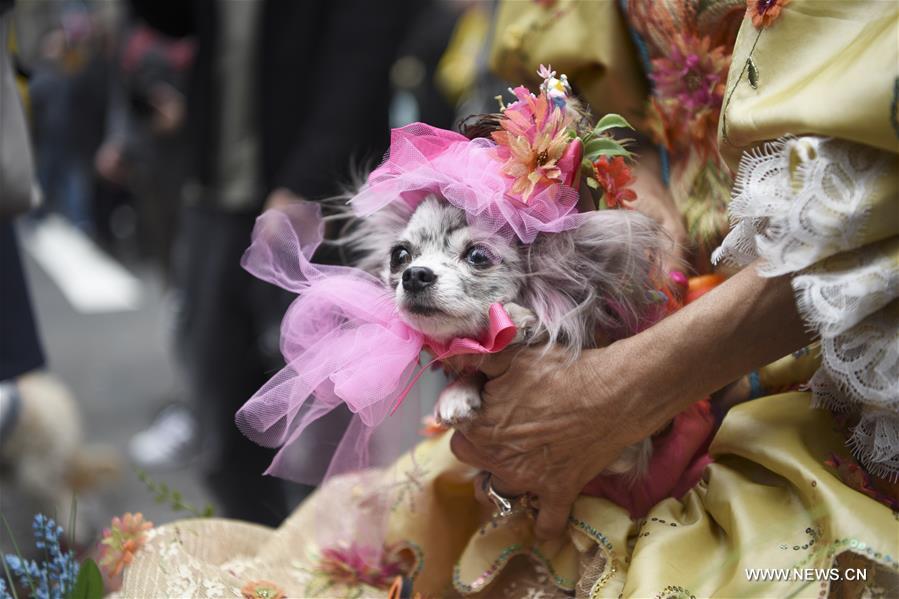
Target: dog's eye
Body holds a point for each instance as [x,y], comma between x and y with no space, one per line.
[478,255]
[399,256]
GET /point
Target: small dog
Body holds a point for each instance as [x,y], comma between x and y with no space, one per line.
[580,288]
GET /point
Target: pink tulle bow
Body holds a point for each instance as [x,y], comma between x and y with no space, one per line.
[343,341]
[426,160]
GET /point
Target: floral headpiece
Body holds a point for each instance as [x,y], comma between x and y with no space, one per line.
[523,180]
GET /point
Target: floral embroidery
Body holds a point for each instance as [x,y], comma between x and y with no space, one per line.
[764,12]
[354,564]
[533,139]
[121,540]
[614,177]
[689,88]
[262,589]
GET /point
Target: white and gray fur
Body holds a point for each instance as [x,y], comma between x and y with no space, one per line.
[576,288]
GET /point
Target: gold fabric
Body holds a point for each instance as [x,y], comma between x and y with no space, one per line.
[824,68]
[768,501]
[588,41]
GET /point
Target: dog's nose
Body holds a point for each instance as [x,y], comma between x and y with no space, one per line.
[417,278]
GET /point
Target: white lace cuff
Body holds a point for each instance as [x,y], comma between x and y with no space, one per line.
[797,202]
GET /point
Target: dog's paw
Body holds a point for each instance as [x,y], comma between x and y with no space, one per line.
[523,319]
[458,402]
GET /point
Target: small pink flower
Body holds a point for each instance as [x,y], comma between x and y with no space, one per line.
[121,541]
[533,139]
[689,90]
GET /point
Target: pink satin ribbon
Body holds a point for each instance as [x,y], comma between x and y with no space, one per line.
[500,333]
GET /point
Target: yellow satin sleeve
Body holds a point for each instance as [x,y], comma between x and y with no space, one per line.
[823,68]
[588,41]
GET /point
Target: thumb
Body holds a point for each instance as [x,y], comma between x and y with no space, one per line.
[552,519]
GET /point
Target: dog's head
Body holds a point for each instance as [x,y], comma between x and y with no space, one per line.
[445,272]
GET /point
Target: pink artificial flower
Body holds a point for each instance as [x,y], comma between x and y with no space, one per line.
[689,90]
[121,541]
[353,565]
[533,139]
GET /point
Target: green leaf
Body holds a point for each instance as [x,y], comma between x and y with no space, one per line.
[592,183]
[208,511]
[753,73]
[603,146]
[89,584]
[611,121]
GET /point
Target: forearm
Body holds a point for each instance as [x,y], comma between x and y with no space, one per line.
[745,323]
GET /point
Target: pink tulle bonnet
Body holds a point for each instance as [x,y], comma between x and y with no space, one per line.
[467,173]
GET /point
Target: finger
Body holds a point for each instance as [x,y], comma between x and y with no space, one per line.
[466,452]
[494,365]
[480,488]
[552,519]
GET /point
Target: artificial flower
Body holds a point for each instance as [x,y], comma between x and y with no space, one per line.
[689,90]
[613,177]
[262,589]
[121,541]
[356,564]
[764,12]
[533,139]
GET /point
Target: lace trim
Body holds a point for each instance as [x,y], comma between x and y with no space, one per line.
[874,442]
[832,302]
[798,200]
[864,361]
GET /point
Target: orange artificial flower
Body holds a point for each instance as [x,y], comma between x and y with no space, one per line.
[121,540]
[613,177]
[262,589]
[765,12]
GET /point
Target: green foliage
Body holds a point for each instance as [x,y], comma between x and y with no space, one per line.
[611,121]
[163,494]
[89,584]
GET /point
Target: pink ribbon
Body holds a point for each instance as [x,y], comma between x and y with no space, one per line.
[500,333]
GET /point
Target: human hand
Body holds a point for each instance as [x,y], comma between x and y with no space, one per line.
[547,427]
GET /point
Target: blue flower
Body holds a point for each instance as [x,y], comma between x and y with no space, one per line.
[52,578]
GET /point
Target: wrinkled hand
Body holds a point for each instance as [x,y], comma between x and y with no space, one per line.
[548,427]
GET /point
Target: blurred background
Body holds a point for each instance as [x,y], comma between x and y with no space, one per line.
[161,129]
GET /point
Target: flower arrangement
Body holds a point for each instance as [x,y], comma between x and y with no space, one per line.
[539,131]
[61,575]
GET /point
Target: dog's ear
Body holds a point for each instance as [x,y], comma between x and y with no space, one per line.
[598,278]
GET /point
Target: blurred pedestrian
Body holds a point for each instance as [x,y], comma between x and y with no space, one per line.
[283,95]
